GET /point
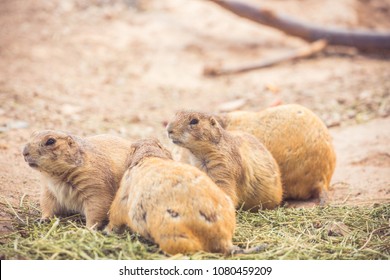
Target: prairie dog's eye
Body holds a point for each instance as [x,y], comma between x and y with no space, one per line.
[194,121]
[50,141]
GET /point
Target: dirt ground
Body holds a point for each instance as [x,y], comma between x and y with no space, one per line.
[124,67]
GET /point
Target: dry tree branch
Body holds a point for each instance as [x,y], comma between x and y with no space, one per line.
[305,51]
[361,39]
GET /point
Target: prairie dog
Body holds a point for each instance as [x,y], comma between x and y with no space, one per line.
[172,204]
[236,161]
[298,140]
[79,174]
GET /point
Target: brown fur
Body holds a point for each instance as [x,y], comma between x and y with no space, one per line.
[236,161]
[172,204]
[79,174]
[298,140]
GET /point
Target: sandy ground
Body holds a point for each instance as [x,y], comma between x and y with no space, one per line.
[124,67]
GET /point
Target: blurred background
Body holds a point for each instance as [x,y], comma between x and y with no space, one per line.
[125,66]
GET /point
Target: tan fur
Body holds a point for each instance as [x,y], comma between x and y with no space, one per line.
[79,174]
[298,140]
[172,204]
[236,161]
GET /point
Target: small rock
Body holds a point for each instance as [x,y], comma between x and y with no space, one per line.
[276,102]
[341,100]
[14,125]
[272,88]
[123,131]
[66,6]
[365,95]
[4,146]
[333,120]
[384,110]
[337,229]
[68,109]
[232,105]
[18,125]
[317,224]
[135,119]
[351,114]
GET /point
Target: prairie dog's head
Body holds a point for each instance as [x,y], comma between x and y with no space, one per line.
[149,147]
[192,130]
[53,152]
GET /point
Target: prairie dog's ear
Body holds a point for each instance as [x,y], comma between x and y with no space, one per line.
[157,143]
[221,119]
[132,149]
[213,121]
[130,156]
[168,154]
[70,141]
[35,133]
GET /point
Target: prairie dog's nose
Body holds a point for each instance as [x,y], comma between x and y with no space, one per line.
[26,150]
[169,129]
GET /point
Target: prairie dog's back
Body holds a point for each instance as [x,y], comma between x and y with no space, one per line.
[188,204]
[298,140]
[289,123]
[114,148]
[175,205]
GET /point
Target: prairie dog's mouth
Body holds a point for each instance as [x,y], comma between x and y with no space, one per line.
[33,164]
[177,142]
[174,139]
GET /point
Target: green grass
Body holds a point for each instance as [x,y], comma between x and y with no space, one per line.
[332,232]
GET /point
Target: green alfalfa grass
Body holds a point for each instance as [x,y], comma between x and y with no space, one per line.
[331,232]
